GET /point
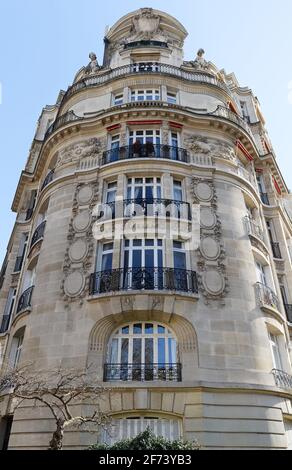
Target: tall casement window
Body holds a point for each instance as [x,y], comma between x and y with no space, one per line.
[171,97]
[142,352]
[9,307]
[261,274]
[115,145]
[21,252]
[144,137]
[143,263]
[16,348]
[104,264]
[143,196]
[110,199]
[145,95]
[275,349]
[262,189]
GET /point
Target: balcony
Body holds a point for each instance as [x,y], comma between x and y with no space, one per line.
[146,207]
[38,233]
[267,297]
[146,68]
[282,379]
[48,179]
[276,250]
[66,118]
[18,264]
[253,229]
[288,310]
[147,150]
[25,300]
[265,198]
[142,372]
[142,279]
[145,43]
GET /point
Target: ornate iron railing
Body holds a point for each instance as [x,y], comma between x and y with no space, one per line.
[48,179]
[137,279]
[25,300]
[267,297]
[147,150]
[253,228]
[282,379]
[70,116]
[146,207]
[145,43]
[276,250]
[288,310]
[142,372]
[18,263]
[146,68]
[38,233]
[226,113]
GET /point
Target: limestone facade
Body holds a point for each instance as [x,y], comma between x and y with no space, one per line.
[188,322]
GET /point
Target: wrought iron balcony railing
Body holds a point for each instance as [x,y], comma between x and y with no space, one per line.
[137,279]
[48,179]
[148,68]
[282,379]
[253,228]
[18,264]
[147,150]
[276,250]
[25,300]
[267,297]
[70,116]
[146,207]
[288,310]
[38,233]
[145,43]
[265,199]
[142,372]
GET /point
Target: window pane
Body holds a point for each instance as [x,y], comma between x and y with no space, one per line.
[114,351]
[125,350]
[161,351]
[161,329]
[149,354]
[137,351]
[149,328]
[137,259]
[138,328]
[125,330]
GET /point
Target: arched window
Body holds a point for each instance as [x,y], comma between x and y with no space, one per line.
[143,352]
[131,426]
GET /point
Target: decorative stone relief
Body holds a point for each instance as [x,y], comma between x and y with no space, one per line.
[211,254]
[74,153]
[79,255]
[211,147]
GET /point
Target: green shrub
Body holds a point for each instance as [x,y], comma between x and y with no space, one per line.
[148,441]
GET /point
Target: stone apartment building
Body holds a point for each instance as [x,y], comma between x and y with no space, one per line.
[153,240]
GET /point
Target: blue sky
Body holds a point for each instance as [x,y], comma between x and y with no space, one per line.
[43,44]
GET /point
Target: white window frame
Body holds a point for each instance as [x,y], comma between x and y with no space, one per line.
[171,97]
[276,352]
[146,94]
[118,99]
[141,135]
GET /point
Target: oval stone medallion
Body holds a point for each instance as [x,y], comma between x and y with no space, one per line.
[204,192]
[85,195]
[78,250]
[213,282]
[82,221]
[74,284]
[208,218]
[210,248]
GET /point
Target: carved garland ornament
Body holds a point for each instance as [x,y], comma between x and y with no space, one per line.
[211,253]
[76,152]
[79,254]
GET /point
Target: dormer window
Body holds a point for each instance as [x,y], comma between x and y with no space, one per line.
[118,99]
[145,95]
[171,97]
